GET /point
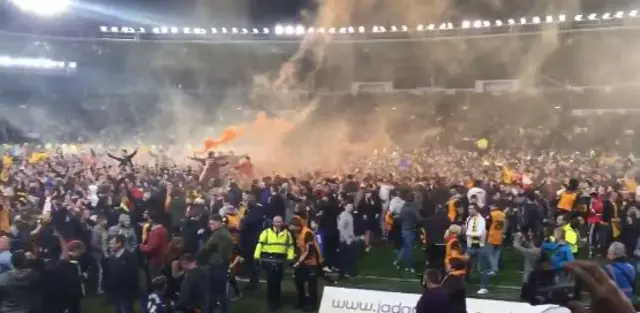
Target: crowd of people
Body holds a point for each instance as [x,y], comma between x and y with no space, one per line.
[174,235]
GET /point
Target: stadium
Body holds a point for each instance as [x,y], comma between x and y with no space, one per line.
[556,79]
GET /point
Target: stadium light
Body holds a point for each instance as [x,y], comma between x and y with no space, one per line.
[466,24]
[578,18]
[633,13]
[431,27]
[562,18]
[42,7]
[511,21]
[499,23]
[536,20]
[592,17]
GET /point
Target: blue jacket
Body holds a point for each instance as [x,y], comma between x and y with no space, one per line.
[558,254]
[624,275]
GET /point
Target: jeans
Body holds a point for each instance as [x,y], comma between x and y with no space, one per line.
[493,256]
[477,257]
[123,304]
[348,259]
[219,294]
[405,253]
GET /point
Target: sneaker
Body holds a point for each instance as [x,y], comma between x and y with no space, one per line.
[492,273]
[236,297]
[367,249]
[409,271]
[396,264]
[483,291]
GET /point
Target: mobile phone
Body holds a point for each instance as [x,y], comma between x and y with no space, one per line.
[549,286]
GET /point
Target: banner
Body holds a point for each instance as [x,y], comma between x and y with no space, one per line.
[371,87]
[343,300]
[498,86]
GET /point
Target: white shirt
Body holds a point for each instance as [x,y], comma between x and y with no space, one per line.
[476,226]
[480,194]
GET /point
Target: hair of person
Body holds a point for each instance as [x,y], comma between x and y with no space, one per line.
[119,238]
[216,218]
[432,275]
[19,259]
[617,250]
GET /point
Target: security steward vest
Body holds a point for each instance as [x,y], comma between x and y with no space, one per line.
[275,245]
[313,258]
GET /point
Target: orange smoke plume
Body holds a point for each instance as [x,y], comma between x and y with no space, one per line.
[227,136]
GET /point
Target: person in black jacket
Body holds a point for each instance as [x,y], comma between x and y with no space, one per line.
[454,285]
[20,288]
[435,228]
[126,158]
[121,276]
[195,291]
[250,228]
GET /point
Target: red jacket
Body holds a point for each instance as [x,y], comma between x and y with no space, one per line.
[157,245]
[595,214]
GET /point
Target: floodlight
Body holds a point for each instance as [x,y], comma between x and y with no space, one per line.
[486,23]
[562,18]
[382,29]
[321,30]
[332,30]
[361,29]
[224,30]
[549,19]
[466,24]
[523,21]
[300,30]
[477,24]
[342,30]
[593,17]
[394,28]
[633,13]
[536,20]
[234,30]
[606,16]
[405,28]
[255,31]
[511,21]
[499,23]
[42,7]
[420,27]
[289,30]
[619,14]
[431,27]
[577,18]
[265,30]
[350,30]
[214,30]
